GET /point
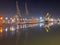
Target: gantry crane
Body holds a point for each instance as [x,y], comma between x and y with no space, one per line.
[47,17]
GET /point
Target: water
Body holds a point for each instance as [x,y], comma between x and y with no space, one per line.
[31,34]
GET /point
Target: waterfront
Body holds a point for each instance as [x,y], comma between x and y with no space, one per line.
[30,34]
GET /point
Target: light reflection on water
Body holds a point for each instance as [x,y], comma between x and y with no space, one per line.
[14,29]
[24,33]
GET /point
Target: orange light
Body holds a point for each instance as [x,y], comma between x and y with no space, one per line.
[1,18]
[1,30]
[10,28]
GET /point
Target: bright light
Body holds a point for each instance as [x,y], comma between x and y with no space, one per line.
[1,18]
[17,18]
[40,18]
[12,28]
[41,24]
[6,18]
[12,20]
[24,26]
[51,19]
[51,23]
[6,29]
[1,30]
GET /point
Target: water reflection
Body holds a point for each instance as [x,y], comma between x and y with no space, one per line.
[18,37]
[27,36]
[22,34]
[47,26]
[12,29]
[1,31]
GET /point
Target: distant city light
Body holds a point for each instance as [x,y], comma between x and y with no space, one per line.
[12,20]
[40,18]
[24,26]
[6,29]
[12,28]
[41,24]
[51,19]
[6,18]
[51,24]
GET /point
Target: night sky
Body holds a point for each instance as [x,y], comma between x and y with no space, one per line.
[36,8]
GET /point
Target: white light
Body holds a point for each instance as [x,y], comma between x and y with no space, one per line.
[13,20]
[24,26]
[41,20]
[40,17]
[13,28]
[41,24]
[6,29]
[51,24]
[6,18]
[51,19]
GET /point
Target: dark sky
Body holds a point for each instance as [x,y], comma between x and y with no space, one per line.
[35,7]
